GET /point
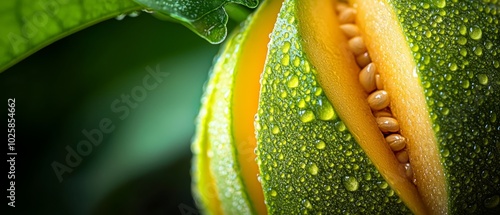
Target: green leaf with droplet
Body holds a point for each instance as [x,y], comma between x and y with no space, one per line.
[28,26]
[207,18]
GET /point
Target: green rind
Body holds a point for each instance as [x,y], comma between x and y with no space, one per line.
[28,26]
[462,89]
[201,186]
[309,161]
[215,128]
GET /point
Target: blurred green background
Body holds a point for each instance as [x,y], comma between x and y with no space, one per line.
[143,165]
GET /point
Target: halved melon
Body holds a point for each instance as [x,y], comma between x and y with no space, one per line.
[364,107]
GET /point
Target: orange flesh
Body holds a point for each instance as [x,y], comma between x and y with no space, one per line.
[338,75]
[383,37]
[327,49]
[246,97]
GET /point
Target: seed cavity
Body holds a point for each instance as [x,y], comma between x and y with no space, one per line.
[373,84]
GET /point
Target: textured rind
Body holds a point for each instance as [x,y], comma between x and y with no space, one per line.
[309,161]
[202,180]
[214,144]
[458,61]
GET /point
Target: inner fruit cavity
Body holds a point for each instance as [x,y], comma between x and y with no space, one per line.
[371,80]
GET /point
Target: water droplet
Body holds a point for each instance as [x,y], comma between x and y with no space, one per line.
[307,116]
[286,47]
[320,144]
[463,52]
[465,84]
[285,60]
[390,193]
[453,66]
[368,176]
[283,94]
[463,30]
[147,11]
[351,183]
[428,34]
[447,77]
[483,79]
[475,33]
[446,153]
[436,128]
[313,169]
[340,126]
[302,103]
[134,14]
[478,51]
[492,201]
[276,130]
[471,208]
[120,17]
[383,185]
[293,82]
[326,111]
[462,40]
[296,62]
[415,48]
[307,67]
[307,204]
[445,111]
[274,193]
[439,3]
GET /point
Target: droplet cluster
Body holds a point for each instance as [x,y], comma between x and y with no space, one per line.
[312,163]
[456,47]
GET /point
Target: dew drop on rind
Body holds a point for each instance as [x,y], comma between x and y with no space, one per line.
[340,126]
[483,79]
[383,185]
[285,60]
[478,51]
[286,47]
[465,84]
[351,183]
[492,202]
[307,204]
[320,144]
[326,111]
[475,33]
[307,116]
[293,82]
[276,130]
[439,3]
[313,169]
[462,40]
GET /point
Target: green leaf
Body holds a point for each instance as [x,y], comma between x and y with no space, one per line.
[27,25]
[206,18]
